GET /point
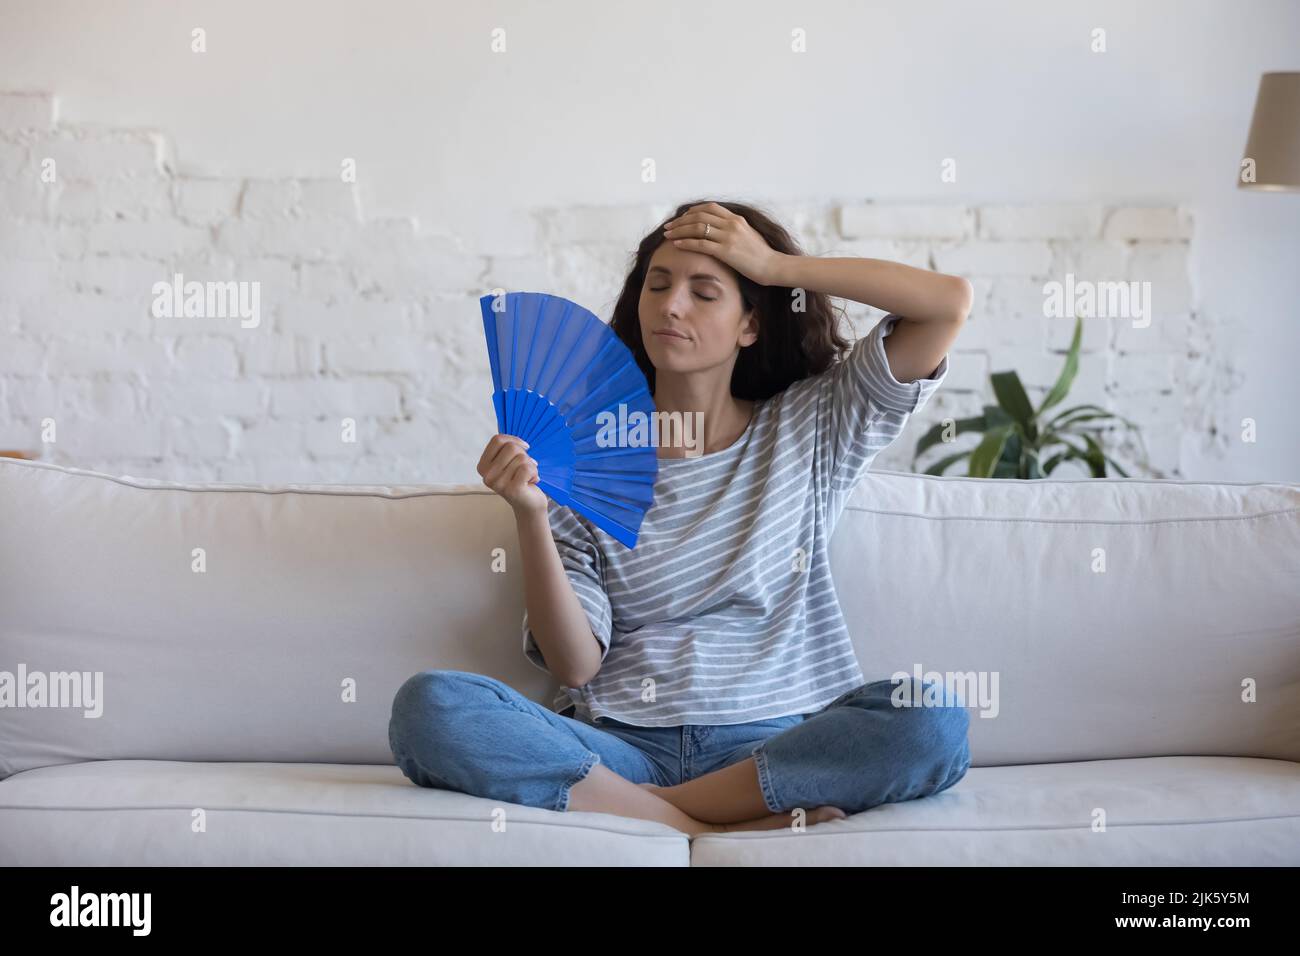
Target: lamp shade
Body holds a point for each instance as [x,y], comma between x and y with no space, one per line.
[1274,141]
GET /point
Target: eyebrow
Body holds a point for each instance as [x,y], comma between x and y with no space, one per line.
[697,275]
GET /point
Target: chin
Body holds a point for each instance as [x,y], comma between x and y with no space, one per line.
[664,359]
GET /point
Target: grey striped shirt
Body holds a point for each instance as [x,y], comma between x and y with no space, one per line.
[725,612]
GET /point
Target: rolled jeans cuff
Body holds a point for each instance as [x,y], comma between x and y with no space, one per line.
[765,778]
[562,801]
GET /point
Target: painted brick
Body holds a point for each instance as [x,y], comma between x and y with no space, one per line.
[71,397]
[318,398]
[204,356]
[1154,222]
[202,202]
[324,438]
[905,221]
[267,440]
[150,240]
[1170,333]
[351,318]
[985,258]
[91,437]
[273,354]
[329,199]
[75,313]
[1073,222]
[203,440]
[94,154]
[113,199]
[386,354]
[915,253]
[116,354]
[187,399]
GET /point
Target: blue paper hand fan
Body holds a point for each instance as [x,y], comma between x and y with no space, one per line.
[556,368]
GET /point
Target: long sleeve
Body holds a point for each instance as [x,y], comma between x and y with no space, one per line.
[582,559]
[868,405]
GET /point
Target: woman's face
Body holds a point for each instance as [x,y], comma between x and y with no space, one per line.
[697,297]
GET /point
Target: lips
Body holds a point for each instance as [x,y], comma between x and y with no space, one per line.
[670,333]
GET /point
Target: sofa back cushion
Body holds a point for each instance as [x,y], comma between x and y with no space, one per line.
[283,639]
[1103,618]
[224,622]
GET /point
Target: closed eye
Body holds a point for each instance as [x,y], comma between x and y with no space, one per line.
[706,298]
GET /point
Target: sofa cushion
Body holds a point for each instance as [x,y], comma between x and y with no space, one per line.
[1226,811]
[1158,811]
[142,813]
[314,604]
[1147,654]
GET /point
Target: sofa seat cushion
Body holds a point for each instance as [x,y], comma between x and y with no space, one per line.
[1159,811]
[140,813]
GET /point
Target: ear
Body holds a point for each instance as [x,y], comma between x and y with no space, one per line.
[749,328]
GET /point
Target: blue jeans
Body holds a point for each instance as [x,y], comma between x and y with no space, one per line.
[455,730]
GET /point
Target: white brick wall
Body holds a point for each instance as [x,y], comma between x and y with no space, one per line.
[377,320]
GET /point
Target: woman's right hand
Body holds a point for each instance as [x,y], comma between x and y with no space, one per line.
[507,470]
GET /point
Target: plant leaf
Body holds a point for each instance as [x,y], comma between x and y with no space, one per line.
[1056,459]
[1123,473]
[1011,450]
[994,415]
[1032,467]
[1072,429]
[986,454]
[1079,453]
[1057,423]
[935,435]
[1068,373]
[1011,396]
[1096,457]
[1076,408]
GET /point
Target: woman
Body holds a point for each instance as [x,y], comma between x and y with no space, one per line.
[709,678]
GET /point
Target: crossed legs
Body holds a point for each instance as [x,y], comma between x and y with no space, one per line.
[472,733]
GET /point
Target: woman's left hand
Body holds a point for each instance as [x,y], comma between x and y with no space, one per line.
[731,240]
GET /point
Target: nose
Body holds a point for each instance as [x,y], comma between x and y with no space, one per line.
[676,301]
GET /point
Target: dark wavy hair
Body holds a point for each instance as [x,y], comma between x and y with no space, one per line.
[791,345]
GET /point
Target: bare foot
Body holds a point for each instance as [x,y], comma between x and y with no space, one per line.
[776,821]
[781,821]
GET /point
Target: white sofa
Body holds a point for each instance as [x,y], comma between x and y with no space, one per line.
[246,686]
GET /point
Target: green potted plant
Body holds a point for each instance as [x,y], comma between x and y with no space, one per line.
[1017,437]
